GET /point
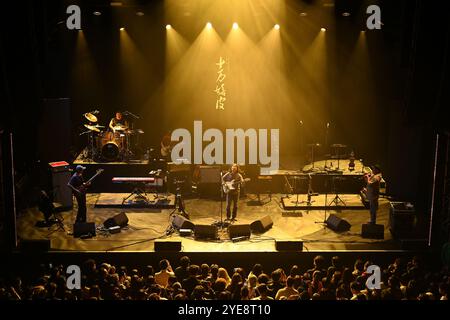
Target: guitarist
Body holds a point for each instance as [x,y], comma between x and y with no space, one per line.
[77,184]
[233,194]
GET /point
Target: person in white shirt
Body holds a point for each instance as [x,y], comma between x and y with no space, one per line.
[162,277]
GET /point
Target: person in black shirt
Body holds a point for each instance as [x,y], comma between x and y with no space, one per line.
[76,183]
[373,191]
[232,181]
[118,123]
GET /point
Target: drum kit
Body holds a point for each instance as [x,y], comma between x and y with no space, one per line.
[121,144]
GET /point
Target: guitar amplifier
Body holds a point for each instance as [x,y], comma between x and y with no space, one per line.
[210,174]
[60,176]
[209,178]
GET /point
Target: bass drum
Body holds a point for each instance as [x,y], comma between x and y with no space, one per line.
[110,151]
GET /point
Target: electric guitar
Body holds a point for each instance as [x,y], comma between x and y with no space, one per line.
[83,188]
[228,186]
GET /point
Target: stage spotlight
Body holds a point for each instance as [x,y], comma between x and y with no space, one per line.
[346,14]
[97,13]
[303,14]
[168,27]
[235,26]
[277,27]
[122,29]
[139,13]
[209,25]
[323,29]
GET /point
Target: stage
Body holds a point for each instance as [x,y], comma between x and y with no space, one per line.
[147,224]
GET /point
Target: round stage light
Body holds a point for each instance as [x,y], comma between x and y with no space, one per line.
[140,14]
[122,29]
[346,14]
[235,26]
[277,27]
[168,27]
[97,13]
[209,25]
[323,29]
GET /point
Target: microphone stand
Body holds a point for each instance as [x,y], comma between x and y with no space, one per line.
[301,145]
[128,113]
[326,145]
[221,224]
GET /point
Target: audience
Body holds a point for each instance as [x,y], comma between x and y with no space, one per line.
[401,280]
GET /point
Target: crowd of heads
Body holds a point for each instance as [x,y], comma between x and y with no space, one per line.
[322,280]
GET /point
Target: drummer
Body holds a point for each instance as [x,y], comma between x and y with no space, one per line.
[118,123]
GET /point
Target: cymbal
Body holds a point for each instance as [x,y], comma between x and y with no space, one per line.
[90,117]
[92,128]
[120,128]
[338,145]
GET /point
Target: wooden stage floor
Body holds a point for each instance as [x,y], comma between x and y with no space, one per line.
[146,225]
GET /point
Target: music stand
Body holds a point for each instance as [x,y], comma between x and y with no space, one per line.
[337,199]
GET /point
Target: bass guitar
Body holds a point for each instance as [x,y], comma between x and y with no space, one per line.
[83,188]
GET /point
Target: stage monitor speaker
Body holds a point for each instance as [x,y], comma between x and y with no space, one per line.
[261,225]
[372,231]
[289,245]
[33,246]
[167,245]
[180,222]
[205,231]
[239,230]
[84,230]
[337,224]
[120,220]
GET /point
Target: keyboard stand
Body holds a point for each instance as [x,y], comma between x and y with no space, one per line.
[139,195]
